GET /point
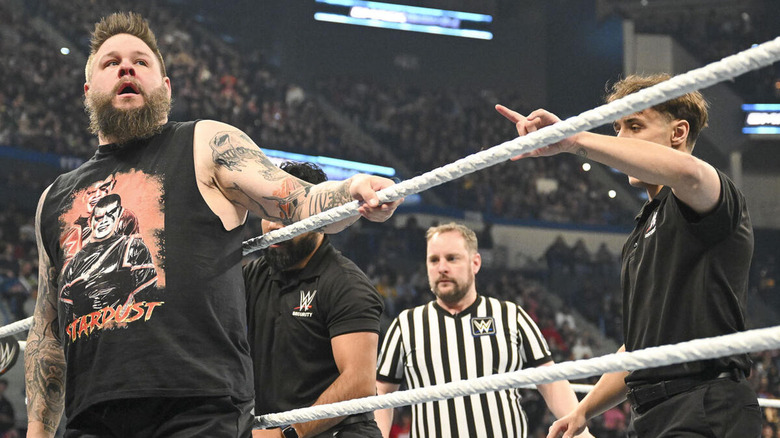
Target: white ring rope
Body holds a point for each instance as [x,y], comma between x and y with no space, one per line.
[16,327]
[576,387]
[727,68]
[697,349]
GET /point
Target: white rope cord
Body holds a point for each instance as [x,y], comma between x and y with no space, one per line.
[727,68]
[698,349]
[16,327]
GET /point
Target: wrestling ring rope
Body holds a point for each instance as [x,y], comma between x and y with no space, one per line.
[744,342]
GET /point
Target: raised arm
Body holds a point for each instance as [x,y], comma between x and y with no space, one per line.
[235,176]
[44,358]
[693,181]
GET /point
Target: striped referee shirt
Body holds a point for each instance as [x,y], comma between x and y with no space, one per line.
[428,346]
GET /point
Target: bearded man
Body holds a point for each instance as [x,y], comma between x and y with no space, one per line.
[313,320]
[183,370]
[462,335]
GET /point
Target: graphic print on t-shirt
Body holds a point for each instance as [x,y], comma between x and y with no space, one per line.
[112,246]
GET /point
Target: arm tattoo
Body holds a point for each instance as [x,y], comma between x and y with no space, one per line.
[45,360]
[325,200]
[287,203]
[233,150]
[284,206]
[582,152]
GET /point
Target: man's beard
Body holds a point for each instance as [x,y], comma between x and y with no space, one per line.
[122,126]
[289,253]
[456,294]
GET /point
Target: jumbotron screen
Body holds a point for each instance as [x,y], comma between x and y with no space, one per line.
[762,120]
[406,18]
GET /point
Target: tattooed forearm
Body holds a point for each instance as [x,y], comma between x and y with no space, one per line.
[329,198]
[582,152]
[234,150]
[45,379]
[284,209]
[44,357]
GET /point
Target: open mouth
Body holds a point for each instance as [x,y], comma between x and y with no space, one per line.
[128,88]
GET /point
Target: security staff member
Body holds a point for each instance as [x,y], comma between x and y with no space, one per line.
[313,329]
[690,252]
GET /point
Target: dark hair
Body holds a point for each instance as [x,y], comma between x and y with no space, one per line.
[118,23]
[308,172]
[108,200]
[690,107]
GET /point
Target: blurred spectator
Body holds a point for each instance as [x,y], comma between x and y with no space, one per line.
[7,418]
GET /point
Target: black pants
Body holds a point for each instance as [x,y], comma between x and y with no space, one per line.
[720,408]
[180,417]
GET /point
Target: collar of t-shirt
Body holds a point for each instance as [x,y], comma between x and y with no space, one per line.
[652,204]
[467,311]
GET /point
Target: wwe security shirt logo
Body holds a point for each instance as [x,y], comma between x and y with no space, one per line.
[483,326]
[304,304]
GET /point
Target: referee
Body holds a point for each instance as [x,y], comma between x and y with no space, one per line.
[462,335]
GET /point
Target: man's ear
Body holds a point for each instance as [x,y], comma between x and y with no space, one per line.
[680,130]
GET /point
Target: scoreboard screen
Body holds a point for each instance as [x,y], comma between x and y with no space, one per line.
[762,120]
[405,17]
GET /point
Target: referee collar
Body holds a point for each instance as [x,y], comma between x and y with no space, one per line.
[467,311]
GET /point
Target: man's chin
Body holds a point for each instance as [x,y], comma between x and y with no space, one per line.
[128,103]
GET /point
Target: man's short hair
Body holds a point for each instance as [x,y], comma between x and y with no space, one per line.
[108,200]
[691,107]
[469,236]
[118,23]
[308,172]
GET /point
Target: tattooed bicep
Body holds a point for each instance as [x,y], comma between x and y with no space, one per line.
[235,151]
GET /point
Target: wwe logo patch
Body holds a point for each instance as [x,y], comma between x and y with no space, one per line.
[651,226]
[304,304]
[483,326]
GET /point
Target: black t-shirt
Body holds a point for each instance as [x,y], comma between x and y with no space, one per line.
[685,277]
[293,316]
[151,299]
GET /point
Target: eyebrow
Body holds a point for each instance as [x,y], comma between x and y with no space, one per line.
[114,54]
[627,121]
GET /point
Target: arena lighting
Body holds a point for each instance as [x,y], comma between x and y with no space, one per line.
[405,17]
[65,51]
[612,194]
[335,168]
[586,167]
[762,120]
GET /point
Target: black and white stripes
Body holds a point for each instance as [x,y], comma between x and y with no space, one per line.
[427,346]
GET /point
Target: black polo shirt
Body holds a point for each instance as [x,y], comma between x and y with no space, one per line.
[292,317]
[685,277]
